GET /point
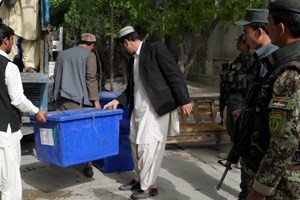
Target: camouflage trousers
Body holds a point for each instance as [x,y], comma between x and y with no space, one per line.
[287,189]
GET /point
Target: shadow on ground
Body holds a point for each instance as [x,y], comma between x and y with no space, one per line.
[45,179]
[183,162]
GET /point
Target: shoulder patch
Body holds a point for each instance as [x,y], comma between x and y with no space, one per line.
[283,103]
[275,122]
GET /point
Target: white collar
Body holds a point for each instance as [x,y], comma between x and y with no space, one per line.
[3,53]
[139,49]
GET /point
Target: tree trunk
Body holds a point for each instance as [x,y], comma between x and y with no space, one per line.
[112,50]
[203,39]
[100,70]
[184,50]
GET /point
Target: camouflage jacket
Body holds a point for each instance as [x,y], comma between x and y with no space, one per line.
[234,78]
[251,128]
[279,174]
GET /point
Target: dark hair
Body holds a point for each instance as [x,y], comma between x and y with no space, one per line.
[291,19]
[243,42]
[5,32]
[131,37]
[257,25]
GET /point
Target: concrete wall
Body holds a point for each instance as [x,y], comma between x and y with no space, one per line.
[220,48]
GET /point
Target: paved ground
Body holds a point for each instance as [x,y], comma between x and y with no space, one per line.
[189,172]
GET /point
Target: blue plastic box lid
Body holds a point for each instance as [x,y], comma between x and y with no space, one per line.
[74,114]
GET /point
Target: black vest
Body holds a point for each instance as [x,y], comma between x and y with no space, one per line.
[9,113]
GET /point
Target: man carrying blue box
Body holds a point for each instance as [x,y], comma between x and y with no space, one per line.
[156,88]
[75,80]
[12,102]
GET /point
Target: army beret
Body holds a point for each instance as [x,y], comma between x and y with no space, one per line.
[285,5]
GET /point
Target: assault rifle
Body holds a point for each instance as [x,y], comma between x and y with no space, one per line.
[223,91]
[222,99]
[233,158]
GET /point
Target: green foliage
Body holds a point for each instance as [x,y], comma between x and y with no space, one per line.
[158,17]
[188,15]
[79,19]
[55,3]
[118,13]
[233,10]
[97,16]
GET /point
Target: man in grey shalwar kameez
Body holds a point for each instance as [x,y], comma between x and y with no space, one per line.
[155,89]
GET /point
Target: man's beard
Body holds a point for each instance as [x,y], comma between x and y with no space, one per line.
[8,51]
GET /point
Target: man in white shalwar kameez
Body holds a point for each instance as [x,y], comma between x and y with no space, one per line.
[156,88]
[12,101]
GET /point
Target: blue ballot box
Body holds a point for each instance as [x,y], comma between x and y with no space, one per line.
[76,136]
[123,160]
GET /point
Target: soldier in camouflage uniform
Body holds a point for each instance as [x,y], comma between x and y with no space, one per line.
[232,93]
[234,83]
[278,175]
